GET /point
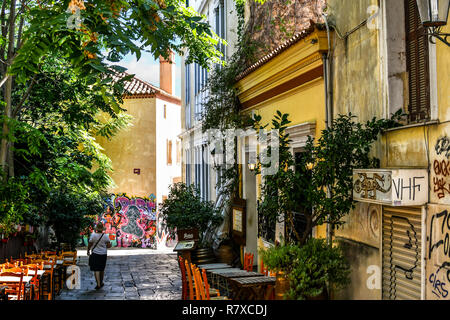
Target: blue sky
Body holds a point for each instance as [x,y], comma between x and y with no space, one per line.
[147,68]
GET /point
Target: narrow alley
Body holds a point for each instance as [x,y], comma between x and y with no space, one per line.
[130,274]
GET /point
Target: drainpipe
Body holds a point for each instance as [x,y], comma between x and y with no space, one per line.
[328,97]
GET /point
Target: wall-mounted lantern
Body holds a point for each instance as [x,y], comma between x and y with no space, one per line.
[434,15]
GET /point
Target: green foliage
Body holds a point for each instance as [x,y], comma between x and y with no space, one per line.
[309,268]
[184,209]
[113,27]
[69,213]
[322,178]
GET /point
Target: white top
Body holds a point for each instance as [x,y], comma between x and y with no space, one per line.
[101,246]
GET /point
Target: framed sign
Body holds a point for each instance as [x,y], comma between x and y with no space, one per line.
[238,223]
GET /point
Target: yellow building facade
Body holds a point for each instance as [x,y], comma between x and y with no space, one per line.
[290,79]
[383,63]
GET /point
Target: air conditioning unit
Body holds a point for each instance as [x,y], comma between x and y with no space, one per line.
[394,187]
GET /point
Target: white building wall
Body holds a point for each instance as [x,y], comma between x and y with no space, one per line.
[167,128]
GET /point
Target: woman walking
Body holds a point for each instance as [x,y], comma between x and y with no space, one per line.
[99,242]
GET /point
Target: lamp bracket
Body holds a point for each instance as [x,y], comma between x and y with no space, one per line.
[435,32]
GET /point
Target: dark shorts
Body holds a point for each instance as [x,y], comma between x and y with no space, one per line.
[97,262]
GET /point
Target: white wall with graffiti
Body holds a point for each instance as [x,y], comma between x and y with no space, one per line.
[133,222]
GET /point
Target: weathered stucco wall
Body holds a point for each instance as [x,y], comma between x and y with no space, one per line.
[134,148]
[357,85]
[443,77]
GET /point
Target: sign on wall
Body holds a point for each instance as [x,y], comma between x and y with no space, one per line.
[395,187]
[239,221]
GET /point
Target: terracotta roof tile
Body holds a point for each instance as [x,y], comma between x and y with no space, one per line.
[278,50]
[136,86]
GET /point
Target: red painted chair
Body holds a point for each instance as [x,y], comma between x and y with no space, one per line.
[183,278]
[248,261]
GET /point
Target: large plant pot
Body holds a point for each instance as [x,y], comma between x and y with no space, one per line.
[203,256]
[281,285]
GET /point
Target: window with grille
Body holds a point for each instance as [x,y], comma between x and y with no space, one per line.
[417,60]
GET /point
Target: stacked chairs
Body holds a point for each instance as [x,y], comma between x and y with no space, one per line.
[195,284]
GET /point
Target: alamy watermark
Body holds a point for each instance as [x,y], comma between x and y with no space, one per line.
[261,146]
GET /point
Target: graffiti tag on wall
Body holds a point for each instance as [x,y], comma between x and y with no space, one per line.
[130,221]
[441,171]
[438,253]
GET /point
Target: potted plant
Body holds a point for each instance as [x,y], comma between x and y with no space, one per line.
[309,269]
[184,208]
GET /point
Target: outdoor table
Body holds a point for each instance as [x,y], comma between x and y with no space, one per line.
[211,273]
[210,266]
[227,274]
[250,288]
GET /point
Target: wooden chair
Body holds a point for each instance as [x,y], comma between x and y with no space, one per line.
[189,278]
[248,261]
[202,287]
[7,265]
[183,278]
[32,270]
[32,256]
[47,286]
[14,288]
[20,262]
[69,258]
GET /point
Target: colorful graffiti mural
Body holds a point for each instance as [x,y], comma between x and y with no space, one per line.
[130,221]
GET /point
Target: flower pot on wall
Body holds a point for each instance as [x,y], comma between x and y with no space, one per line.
[281,286]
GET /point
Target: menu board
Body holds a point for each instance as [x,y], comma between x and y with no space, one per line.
[237,220]
[238,223]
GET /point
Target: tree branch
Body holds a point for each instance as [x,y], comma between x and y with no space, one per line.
[24,98]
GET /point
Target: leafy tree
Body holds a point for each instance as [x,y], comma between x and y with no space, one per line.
[54,145]
[102,33]
[184,208]
[69,213]
[319,185]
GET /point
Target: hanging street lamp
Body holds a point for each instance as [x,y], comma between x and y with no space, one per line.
[434,15]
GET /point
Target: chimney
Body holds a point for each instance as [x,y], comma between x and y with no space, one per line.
[165,73]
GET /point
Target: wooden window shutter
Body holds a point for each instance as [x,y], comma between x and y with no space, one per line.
[169,152]
[417,60]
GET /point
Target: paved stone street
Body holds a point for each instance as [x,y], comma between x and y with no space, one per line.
[130,274]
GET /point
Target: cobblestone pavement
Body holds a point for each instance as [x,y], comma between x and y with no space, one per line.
[130,275]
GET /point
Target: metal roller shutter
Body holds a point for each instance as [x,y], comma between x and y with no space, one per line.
[402,253]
